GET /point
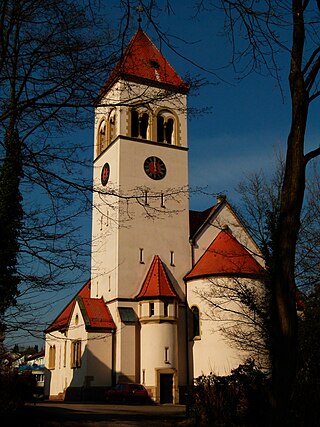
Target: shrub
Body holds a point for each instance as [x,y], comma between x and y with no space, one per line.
[238,399]
[15,390]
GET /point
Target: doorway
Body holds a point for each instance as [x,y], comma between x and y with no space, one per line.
[166,388]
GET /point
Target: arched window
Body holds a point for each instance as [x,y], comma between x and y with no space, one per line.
[169,131]
[139,124]
[165,127]
[112,126]
[102,136]
[106,132]
[195,321]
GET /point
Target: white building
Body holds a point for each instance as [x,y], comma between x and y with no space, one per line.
[141,318]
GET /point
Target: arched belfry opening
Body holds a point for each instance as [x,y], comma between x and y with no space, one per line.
[106,131]
[139,124]
[112,126]
[166,127]
[102,136]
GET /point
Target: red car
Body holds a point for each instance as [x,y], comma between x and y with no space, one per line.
[127,393]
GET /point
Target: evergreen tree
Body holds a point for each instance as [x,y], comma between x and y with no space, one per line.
[11,214]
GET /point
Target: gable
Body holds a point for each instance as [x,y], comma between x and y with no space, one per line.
[62,321]
[94,311]
[212,221]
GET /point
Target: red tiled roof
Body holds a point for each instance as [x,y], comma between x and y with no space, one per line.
[96,314]
[62,321]
[143,61]
[157,283]
[225,256]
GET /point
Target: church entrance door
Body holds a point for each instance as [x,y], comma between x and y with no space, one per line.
[166,386]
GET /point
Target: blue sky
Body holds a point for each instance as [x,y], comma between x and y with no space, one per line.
[249,119]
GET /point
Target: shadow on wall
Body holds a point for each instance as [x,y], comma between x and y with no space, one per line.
[90,379]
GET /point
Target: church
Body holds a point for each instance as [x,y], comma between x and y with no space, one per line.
[143,317]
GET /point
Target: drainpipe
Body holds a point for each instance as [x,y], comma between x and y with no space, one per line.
[187,333]
[187,313]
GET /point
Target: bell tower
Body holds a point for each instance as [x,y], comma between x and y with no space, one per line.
[140,203]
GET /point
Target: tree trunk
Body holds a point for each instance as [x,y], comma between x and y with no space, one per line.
[284,319]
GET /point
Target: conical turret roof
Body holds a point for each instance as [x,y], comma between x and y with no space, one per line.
[157,283]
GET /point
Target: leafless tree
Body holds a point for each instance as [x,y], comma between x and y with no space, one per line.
[55,56]
[237,307]
[261,31]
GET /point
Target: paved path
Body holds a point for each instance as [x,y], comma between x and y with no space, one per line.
[54,414]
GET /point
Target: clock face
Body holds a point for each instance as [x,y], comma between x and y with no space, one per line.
[155,168]
[105,173]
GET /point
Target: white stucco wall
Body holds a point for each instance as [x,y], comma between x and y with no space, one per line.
[96,357]
[212,351]
[155,338]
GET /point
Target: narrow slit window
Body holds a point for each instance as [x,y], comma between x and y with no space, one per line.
[151,309]
[146,198]
[172,258]
[166,355]
[195,321]
[141,256]
[162,200]
[165,309]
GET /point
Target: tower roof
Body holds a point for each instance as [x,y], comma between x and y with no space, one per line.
[143,62]
[95,313]
[157,283]
[226,256]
